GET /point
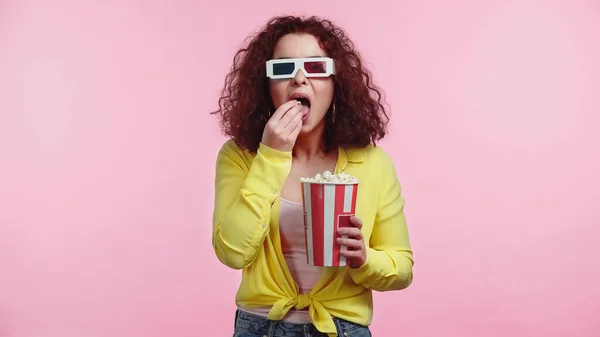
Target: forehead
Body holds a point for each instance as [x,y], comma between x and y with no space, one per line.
[298,45]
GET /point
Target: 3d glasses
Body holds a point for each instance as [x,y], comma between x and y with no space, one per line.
[311,67]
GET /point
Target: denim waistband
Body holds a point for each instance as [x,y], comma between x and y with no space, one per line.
[245,321]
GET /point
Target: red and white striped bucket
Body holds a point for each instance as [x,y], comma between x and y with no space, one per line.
[327,206]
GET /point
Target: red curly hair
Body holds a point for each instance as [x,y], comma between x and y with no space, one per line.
[245,103]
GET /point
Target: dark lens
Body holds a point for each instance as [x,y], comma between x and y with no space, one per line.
[315,67]
[283,68]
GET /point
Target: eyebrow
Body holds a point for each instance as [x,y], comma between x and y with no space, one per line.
[309,57]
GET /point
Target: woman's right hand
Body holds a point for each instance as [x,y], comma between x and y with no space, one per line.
[283,127]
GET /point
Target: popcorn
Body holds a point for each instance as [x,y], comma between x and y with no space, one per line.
[330,178]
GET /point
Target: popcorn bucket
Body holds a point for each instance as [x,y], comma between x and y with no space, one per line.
[327,206]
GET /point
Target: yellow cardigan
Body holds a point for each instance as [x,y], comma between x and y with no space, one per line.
[246,235]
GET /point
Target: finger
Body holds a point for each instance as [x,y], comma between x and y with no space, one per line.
[356,222]
[350,231]
[351,244]
[284,108]
[289,116]
[350,254]
[296,126]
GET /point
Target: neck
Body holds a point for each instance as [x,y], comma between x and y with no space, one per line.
[310,146]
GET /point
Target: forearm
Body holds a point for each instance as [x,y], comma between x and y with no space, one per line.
[243,205]
[385,270]
[239,235]
[389,262]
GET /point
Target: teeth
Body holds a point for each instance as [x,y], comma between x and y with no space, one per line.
[303,101]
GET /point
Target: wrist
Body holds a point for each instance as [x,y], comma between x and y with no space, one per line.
[272,150]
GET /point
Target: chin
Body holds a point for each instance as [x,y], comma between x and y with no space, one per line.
[308,127]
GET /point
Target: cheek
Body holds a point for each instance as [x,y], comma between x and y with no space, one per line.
[278,93]
[324,90]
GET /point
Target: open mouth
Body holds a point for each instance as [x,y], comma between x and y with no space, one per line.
[302,98]
[304,101]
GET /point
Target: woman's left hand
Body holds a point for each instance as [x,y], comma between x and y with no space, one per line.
[354,251]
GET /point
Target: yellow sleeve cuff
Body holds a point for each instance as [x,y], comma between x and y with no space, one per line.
[269,171]
[361,274]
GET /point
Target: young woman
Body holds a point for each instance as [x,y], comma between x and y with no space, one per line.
[298,102]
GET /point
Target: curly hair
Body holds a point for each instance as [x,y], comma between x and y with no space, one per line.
[245,102]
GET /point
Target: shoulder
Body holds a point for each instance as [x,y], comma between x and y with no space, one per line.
[230,147]
[374,155]
[232,152]
[375,159]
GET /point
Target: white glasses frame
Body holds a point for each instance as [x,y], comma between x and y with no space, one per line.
[299,65]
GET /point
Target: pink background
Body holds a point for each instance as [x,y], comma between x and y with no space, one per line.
[107,162]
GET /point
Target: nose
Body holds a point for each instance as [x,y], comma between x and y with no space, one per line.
[299,79]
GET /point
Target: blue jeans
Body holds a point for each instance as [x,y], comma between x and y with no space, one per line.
[250,325]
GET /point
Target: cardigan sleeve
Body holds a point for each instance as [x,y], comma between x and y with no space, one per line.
[389,255]
[245,191]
